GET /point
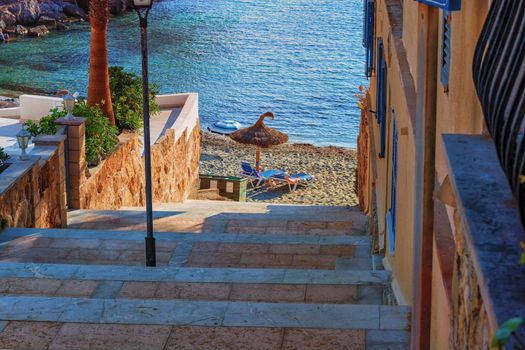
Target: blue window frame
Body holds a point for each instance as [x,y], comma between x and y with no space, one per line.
[445,49]
[391,214]
[368,36]
[449,5]
[381,80]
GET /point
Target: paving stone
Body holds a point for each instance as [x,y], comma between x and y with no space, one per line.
[107,289]
[315,261]
[387,339]
[214,258]
[77,288]
[294,249]
[202,291]
[29,286]
[268,292]
[394,317]
[337,250]
[74,336]
[28,335]
[324,339]
[291,315]
[137,290]
[208,338]
[114,244]
[337,294]
[264,260]
[371,294]
[75,243]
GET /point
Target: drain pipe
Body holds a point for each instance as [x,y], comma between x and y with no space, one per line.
[425,135]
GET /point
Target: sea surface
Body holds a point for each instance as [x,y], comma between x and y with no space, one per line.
[301,59]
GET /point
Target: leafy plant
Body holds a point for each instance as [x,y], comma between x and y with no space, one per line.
[126,95]
[506,330]
[46,125]
[3,156]
[101,137]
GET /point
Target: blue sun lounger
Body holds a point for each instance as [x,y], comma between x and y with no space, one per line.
[293,180]
[258,177]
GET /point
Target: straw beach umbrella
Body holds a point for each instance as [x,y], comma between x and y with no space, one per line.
[260,135]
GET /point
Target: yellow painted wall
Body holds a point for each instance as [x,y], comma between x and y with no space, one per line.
[440,322]
[459,110]
[410,33]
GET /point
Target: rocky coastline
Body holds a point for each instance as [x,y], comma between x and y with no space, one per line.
[19,18]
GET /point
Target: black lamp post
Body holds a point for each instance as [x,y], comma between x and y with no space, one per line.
[143,7]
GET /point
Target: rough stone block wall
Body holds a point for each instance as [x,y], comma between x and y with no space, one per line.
[37,198]
[363,152]
[119,180]
[470,324]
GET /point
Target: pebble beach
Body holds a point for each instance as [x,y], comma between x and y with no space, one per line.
[334,169]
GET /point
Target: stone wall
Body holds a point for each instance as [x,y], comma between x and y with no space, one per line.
[32,192]
[119,180]
[470,324]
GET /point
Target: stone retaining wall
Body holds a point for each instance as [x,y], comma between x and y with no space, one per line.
[32,192]
[119,180]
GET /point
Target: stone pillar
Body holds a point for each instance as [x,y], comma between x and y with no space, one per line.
[76,143]
[58,142]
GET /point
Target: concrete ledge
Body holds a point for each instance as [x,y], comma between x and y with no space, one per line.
[13,233]
[490,221]
[206,313]
[191,275]
[15,171]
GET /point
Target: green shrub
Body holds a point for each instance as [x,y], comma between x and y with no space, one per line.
[46,125]
[3,156]
[126,95]
[101,137]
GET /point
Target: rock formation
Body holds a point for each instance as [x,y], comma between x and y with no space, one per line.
[29,17]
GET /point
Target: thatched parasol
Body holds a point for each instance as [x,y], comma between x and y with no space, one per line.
[260,135]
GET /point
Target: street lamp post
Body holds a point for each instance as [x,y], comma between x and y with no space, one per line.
[143,7]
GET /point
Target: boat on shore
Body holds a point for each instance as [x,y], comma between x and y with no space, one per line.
[224,127]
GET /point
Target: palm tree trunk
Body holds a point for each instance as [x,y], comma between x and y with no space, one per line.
[98,87]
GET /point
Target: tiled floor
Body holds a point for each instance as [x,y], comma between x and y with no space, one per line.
[256,276]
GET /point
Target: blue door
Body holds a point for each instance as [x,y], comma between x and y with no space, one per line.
[381,95]
[391,217]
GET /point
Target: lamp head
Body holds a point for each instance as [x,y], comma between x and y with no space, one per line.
[23,138]
[69,104]
[142,4]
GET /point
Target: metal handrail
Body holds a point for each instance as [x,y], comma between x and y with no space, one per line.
[499,76]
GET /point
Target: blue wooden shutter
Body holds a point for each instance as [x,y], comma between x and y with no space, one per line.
[445,49]
[381,77]
[368,35]
[449,5]
[391,215]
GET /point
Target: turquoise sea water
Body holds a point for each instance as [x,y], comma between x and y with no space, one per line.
[301,59]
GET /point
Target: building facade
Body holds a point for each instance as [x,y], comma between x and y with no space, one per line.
[427,153]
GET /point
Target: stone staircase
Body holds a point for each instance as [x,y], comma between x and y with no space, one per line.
[229,276]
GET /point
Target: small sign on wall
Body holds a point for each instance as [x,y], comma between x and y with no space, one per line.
[213,184]
[229,187]
[448,5]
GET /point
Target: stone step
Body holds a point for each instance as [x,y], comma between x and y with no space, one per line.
[350,223]
[269,285]
[175,249]
[67,336]
[203,313]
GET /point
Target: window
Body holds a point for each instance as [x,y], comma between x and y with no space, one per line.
[445,49]
[381,77]
[449,5]
[368,36]
[391,214]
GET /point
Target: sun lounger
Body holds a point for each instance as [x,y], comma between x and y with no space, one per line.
[258,177]
[294,180]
